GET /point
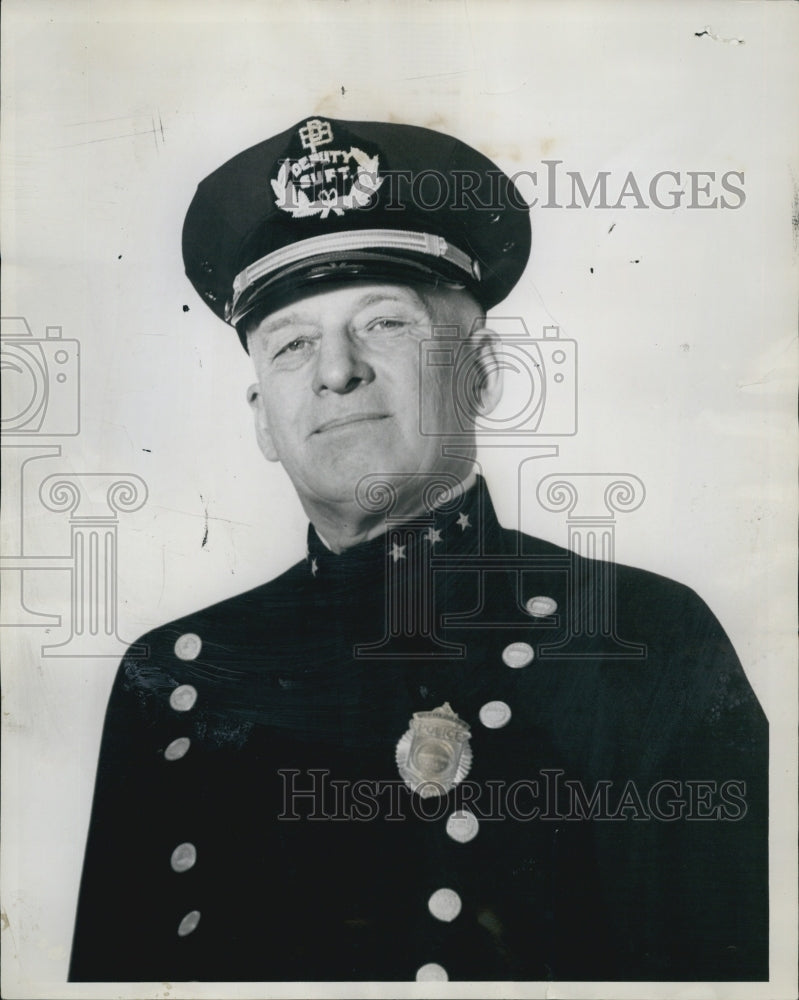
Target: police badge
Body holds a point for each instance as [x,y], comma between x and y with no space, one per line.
[433,755]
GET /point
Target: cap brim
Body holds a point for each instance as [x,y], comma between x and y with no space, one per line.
[278,290]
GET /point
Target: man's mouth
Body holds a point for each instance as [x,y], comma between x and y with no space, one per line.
[350,419]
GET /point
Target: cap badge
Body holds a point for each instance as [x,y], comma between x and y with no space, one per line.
[434,755]
[315,133]
[325,180]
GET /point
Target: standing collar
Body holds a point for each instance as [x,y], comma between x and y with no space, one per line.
[463,523]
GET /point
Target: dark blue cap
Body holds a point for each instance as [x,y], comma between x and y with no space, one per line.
[331,200]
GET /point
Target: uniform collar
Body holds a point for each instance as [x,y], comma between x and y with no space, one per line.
[459,526]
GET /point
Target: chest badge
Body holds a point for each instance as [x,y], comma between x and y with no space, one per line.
[434,754]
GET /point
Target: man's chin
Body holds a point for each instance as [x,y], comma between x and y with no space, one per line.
[378,480]
[343,483]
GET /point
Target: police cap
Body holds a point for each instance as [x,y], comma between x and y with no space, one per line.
[333,200]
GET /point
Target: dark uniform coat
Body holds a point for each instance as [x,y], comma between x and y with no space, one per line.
[250,823]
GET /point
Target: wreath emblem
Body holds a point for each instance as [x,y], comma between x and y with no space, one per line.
[294,200]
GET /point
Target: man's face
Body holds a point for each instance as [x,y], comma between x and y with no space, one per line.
[340,381]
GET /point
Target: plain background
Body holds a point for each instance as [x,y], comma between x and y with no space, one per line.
[685,322]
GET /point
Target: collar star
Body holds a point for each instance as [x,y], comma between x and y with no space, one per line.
[433,535]
[397,552]
[314,567]
[463,521]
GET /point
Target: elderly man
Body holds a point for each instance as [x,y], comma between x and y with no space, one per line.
[374,767]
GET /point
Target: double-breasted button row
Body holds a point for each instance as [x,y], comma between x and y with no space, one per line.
[183,699]
[462,825]
[520,654]
[444,905]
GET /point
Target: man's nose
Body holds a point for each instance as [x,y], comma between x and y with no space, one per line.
[340,365]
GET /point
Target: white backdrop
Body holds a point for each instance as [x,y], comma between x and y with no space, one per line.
[685,321]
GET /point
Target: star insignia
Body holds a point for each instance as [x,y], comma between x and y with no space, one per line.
[463,521]
[397,552]
[433,535]
[314,567]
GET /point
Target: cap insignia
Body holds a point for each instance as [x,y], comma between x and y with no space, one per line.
[325,180]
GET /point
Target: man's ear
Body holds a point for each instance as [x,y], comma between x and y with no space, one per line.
[262,434]
[487,384]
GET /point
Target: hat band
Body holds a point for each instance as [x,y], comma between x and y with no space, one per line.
[360,239]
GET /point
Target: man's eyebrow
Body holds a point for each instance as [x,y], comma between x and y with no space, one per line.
[273,325]
[373,297]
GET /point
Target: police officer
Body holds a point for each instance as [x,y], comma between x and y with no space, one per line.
[404,758]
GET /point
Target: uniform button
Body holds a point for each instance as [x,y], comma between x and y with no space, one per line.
[541,607]
[518,654]
[177,748]
[495,714]
[183,697]
[183,857]
[444,904]
[188,646]
[462,826]
[432,973]
[189,923]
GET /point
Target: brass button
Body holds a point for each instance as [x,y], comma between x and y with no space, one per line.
[518,654]
[188,646]
[189,923]
[183,857]
[432,973]
[177,748]
[183,698]
[444,904]
[462,826]
[495,714]
[541,607]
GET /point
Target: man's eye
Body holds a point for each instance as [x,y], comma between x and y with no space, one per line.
[293,346]
[386,323]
